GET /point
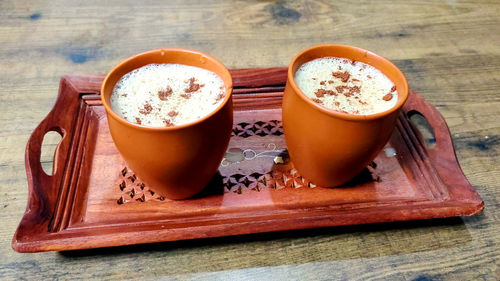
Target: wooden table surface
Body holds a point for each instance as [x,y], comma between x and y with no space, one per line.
[449,51]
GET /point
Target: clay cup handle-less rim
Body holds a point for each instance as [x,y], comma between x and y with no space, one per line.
[168,157]
[317,143]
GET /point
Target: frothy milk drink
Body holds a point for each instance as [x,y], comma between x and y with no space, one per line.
[347,86]
[166,95]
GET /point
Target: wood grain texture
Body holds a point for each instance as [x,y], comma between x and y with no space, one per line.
[447,49]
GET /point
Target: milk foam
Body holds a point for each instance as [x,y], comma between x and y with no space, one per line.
[159,95]
[347,86]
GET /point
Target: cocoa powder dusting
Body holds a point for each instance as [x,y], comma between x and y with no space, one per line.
[393,89]
[337,103]
[330,81]
[322,83]
[317,100]
[344,76]
[164,94]
[173,113]
[138,120]
[387,97]
[186,96]
[146,110]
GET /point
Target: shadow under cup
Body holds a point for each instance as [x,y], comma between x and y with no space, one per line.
[178,162]
[329,147]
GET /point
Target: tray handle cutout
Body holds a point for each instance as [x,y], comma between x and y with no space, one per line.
[43,138]
[50,145]
[422,129]
[429,126]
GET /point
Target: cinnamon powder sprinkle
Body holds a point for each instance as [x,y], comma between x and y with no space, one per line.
[341,89]
[387,97]
[352,90]
[330,93]
[330,81]
[168,123]
[146,110]
[344,76]
[322,83]
[393,89]
[317,100]
[193,87]
[355,89]
[337,103]
[164,94]
[320,93]
[138,120]
[173,113]
[186,96]
[220,96]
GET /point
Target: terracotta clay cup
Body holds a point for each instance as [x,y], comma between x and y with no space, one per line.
[329,147]
[178,161]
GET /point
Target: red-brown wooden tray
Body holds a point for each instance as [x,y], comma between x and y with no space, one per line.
[93,200]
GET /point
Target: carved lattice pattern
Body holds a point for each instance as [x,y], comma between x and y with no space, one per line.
[135,191]
[259,128]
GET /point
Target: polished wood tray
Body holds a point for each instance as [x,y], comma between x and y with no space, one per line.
[94,200]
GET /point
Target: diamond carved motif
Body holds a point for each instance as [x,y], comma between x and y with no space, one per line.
[259,128]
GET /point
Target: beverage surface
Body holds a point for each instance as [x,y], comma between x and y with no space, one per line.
[166,95]
[347,86]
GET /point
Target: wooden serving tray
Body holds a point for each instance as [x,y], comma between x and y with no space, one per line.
[93,199]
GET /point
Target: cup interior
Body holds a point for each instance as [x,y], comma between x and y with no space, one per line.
[159,56]
[355,54]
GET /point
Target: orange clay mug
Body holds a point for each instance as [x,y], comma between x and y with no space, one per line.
[178,161]
[329,147]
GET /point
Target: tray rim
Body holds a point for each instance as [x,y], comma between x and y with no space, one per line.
[65,239]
